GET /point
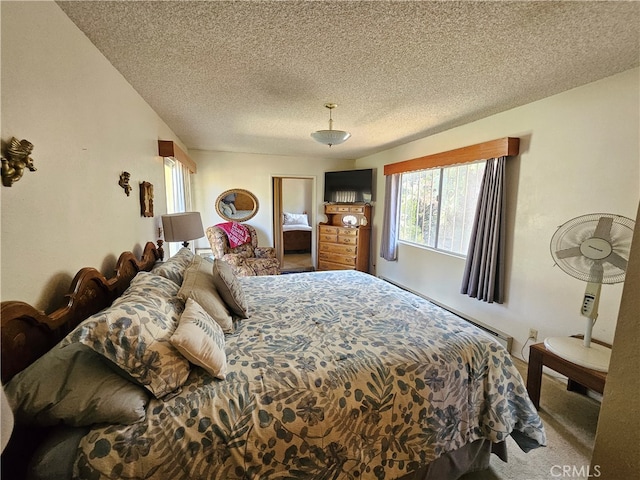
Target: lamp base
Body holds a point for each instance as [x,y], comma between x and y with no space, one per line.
[595,356]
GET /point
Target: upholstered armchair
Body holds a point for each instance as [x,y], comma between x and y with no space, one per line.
[246,260]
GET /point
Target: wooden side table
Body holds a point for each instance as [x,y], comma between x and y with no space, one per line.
[581,379]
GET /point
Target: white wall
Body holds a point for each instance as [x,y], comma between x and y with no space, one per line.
[87,125]
[579,155]
[220,171]
[297,195]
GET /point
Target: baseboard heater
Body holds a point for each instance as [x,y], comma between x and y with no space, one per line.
[505,340]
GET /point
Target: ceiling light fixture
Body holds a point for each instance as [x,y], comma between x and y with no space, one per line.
[331,136]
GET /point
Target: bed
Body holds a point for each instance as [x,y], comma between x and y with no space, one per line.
[330,375]
[228,210]
[296,233]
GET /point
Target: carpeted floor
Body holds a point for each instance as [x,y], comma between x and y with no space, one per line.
[570,421]
[297,262]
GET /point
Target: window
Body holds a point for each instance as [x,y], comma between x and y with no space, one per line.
[437,206]
[177,180]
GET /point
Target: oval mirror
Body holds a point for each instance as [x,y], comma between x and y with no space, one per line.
[237,205]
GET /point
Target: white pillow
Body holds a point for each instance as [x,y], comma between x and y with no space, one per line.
[201,340]
[296,219]
[225,209]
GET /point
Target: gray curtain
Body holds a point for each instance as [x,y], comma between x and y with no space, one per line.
[484,271]
[389,241]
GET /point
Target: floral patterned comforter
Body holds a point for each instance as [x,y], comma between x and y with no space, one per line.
[335,375]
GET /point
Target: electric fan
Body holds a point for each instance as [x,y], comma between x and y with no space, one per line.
[595,249]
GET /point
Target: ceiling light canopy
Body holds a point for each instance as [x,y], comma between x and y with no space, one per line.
[331,136]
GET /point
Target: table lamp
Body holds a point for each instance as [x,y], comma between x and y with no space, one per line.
[182,227]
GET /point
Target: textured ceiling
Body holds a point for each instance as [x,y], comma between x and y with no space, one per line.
[249,76]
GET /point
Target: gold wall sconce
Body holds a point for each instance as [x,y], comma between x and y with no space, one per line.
[15,159]
[124,182]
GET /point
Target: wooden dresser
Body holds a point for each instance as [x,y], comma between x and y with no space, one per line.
[343,241]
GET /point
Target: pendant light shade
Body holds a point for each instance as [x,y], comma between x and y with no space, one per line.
[331,136]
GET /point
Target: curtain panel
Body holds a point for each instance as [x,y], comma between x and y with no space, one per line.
[389,241]
[484,270]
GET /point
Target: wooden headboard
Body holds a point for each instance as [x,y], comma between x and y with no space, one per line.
[28,333]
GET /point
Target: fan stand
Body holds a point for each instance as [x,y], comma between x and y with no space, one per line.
[581,352]
[601,243]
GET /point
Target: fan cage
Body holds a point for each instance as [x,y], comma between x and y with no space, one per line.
[574,232]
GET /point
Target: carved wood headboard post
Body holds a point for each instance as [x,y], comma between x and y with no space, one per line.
[27,333]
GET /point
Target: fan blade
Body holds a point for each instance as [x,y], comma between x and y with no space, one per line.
[617,261]
[568,252]
[603,229]
[596,272]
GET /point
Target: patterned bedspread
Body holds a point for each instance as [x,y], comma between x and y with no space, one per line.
[335,375]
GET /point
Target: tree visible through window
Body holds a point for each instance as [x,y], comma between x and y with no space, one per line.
[437,206]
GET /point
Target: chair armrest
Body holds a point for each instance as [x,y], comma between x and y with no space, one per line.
[265,252]
[234,259]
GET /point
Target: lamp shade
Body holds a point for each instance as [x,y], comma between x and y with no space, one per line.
[331,137]
[182,227]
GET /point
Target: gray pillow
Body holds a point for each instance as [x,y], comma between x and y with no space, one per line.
[73,385]
[134,334]
[229,288]
[173,268]
[198,285]
[54,458]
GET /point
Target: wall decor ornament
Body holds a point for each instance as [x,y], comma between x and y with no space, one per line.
[15,159]
[146,199]
[124,182]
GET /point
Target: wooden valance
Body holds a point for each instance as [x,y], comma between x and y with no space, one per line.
[495,148]
[168,148]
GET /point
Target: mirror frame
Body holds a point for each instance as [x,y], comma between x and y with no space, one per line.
[238,191]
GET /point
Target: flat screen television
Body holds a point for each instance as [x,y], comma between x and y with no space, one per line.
[349,186]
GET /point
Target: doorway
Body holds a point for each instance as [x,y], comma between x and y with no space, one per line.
[293,222]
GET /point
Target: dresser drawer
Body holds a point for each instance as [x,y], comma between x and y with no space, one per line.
[325,265]
[337,258]
[337,248]
[328,230]
[348,231]
[347,240]
[328,238]
[337,209]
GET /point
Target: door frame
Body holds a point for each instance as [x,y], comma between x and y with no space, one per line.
[276,208]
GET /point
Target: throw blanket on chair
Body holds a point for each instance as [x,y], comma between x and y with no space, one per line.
[237,233]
